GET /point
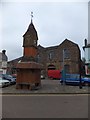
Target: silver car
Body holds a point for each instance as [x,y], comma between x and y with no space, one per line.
[3,82]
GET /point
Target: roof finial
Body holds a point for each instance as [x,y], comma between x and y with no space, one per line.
[31,16]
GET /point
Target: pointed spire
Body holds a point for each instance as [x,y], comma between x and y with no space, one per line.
[30,35]
[31,16]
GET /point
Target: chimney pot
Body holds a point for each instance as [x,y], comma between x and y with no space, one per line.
[85,42]
[3,51]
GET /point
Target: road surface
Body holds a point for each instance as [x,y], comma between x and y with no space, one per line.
[45,106]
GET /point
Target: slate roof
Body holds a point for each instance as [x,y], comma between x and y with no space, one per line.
[31,31]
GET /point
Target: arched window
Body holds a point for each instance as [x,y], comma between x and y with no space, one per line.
[51,67]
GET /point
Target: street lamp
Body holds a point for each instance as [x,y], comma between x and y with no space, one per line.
[80,84]
[63,72]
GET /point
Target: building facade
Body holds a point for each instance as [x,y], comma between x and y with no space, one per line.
[66,55]
[3,62]
[86,49]
[11,66]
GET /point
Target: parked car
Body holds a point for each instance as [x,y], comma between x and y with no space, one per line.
[72,79]
[3,82]
[9,77]
[86,81]
[14,76]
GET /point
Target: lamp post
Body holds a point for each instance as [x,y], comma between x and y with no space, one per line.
[80,84]
[63,72]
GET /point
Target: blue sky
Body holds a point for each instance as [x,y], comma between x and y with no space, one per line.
[54,22]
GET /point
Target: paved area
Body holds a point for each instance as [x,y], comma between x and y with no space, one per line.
[48,86]
[51,100]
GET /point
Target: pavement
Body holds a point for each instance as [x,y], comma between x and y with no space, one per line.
[48,87]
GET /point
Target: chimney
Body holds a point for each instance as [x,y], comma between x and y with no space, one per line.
[4,51]
[85,42]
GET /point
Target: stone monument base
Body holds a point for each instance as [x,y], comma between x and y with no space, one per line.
[28,75]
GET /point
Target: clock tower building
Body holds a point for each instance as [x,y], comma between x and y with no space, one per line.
[28,69]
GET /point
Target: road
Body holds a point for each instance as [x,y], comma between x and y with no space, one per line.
[45,106]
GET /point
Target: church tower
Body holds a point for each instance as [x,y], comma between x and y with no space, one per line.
[30,39]
[28,70]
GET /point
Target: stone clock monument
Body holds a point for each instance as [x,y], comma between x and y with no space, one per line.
[28,69]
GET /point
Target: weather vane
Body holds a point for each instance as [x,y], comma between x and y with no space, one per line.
[31,16]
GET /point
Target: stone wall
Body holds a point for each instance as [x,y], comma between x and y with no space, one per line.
[54,56]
